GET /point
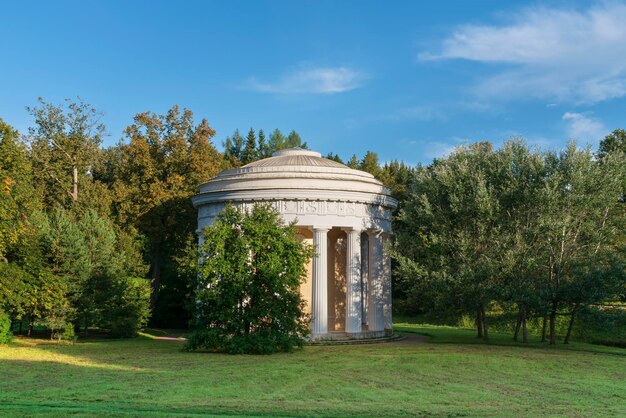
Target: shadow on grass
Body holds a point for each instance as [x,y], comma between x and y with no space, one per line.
[453,335]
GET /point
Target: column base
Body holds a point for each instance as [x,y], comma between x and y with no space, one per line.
[340,335]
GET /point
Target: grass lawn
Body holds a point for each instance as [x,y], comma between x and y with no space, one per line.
[451,374]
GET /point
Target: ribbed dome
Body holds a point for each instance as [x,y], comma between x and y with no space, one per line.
[295,156]
[292,172]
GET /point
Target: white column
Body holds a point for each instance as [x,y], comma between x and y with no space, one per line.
[353,280]
[375,282]
[319,305]
[386,282]
[364,279]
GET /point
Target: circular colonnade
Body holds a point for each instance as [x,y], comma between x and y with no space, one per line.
[344,213]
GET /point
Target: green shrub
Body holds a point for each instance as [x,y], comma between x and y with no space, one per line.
[68,332]
[5,328]
[129,307]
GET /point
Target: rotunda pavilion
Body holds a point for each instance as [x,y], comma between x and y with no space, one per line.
[344,213]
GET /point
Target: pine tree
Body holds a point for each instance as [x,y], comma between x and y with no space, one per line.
[262,148]
[233,148]
[249,153]
[370,164]
[354,162]
[334,157]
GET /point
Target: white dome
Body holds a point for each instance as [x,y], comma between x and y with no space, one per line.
[294,173]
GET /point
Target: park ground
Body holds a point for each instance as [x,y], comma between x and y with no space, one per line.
[451,373]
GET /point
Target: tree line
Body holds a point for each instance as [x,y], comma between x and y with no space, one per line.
[104,237]
[514,229]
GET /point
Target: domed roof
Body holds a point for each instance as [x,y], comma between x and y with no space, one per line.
[290,173]
[295,156]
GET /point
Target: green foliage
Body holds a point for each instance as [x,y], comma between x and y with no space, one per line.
[613,143]
[263,150]
[369,164]
[128,303]
[64,147]
[5,328]
[96,264]
[353,162]
[152,177]
[233,147]
[250,152]
[68,333]
[604,325]
[239,151]
[17,194]
[248,297]
[334,157]
[535,232]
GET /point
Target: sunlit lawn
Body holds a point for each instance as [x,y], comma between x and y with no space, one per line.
[451,374]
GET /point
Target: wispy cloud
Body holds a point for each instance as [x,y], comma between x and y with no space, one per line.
[558,55]
[437,149]
[420,113]
[320,80]
[583,128]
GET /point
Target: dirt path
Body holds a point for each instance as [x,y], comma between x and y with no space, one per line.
[171,339]
[411,339]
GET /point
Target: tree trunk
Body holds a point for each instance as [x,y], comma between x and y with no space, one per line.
[74,184]
[571,324]
[544,328]
[553,325]
[524,329]
[156,278]
[485,328]
[518,324]
[479,323]
[30,325]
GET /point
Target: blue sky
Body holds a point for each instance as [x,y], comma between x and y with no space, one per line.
[408,80]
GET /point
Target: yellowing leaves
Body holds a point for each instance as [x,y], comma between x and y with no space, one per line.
[8,183]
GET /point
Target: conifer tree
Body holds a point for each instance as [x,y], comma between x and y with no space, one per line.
[262,148]
[354,162]
[249,153]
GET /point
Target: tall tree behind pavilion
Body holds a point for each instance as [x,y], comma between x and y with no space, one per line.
[239,151]
[153,173]
[64,147]
[250,152]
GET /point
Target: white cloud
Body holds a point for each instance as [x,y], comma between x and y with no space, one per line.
[583,128]
[436,149]
[558,55]
[420,113]
[322,80]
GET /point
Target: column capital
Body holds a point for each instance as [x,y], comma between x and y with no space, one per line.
[351,229]
[320,228]
[372,232]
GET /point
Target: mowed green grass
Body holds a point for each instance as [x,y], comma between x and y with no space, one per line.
[452,374]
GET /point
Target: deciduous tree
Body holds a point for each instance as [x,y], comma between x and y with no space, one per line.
[248,291]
